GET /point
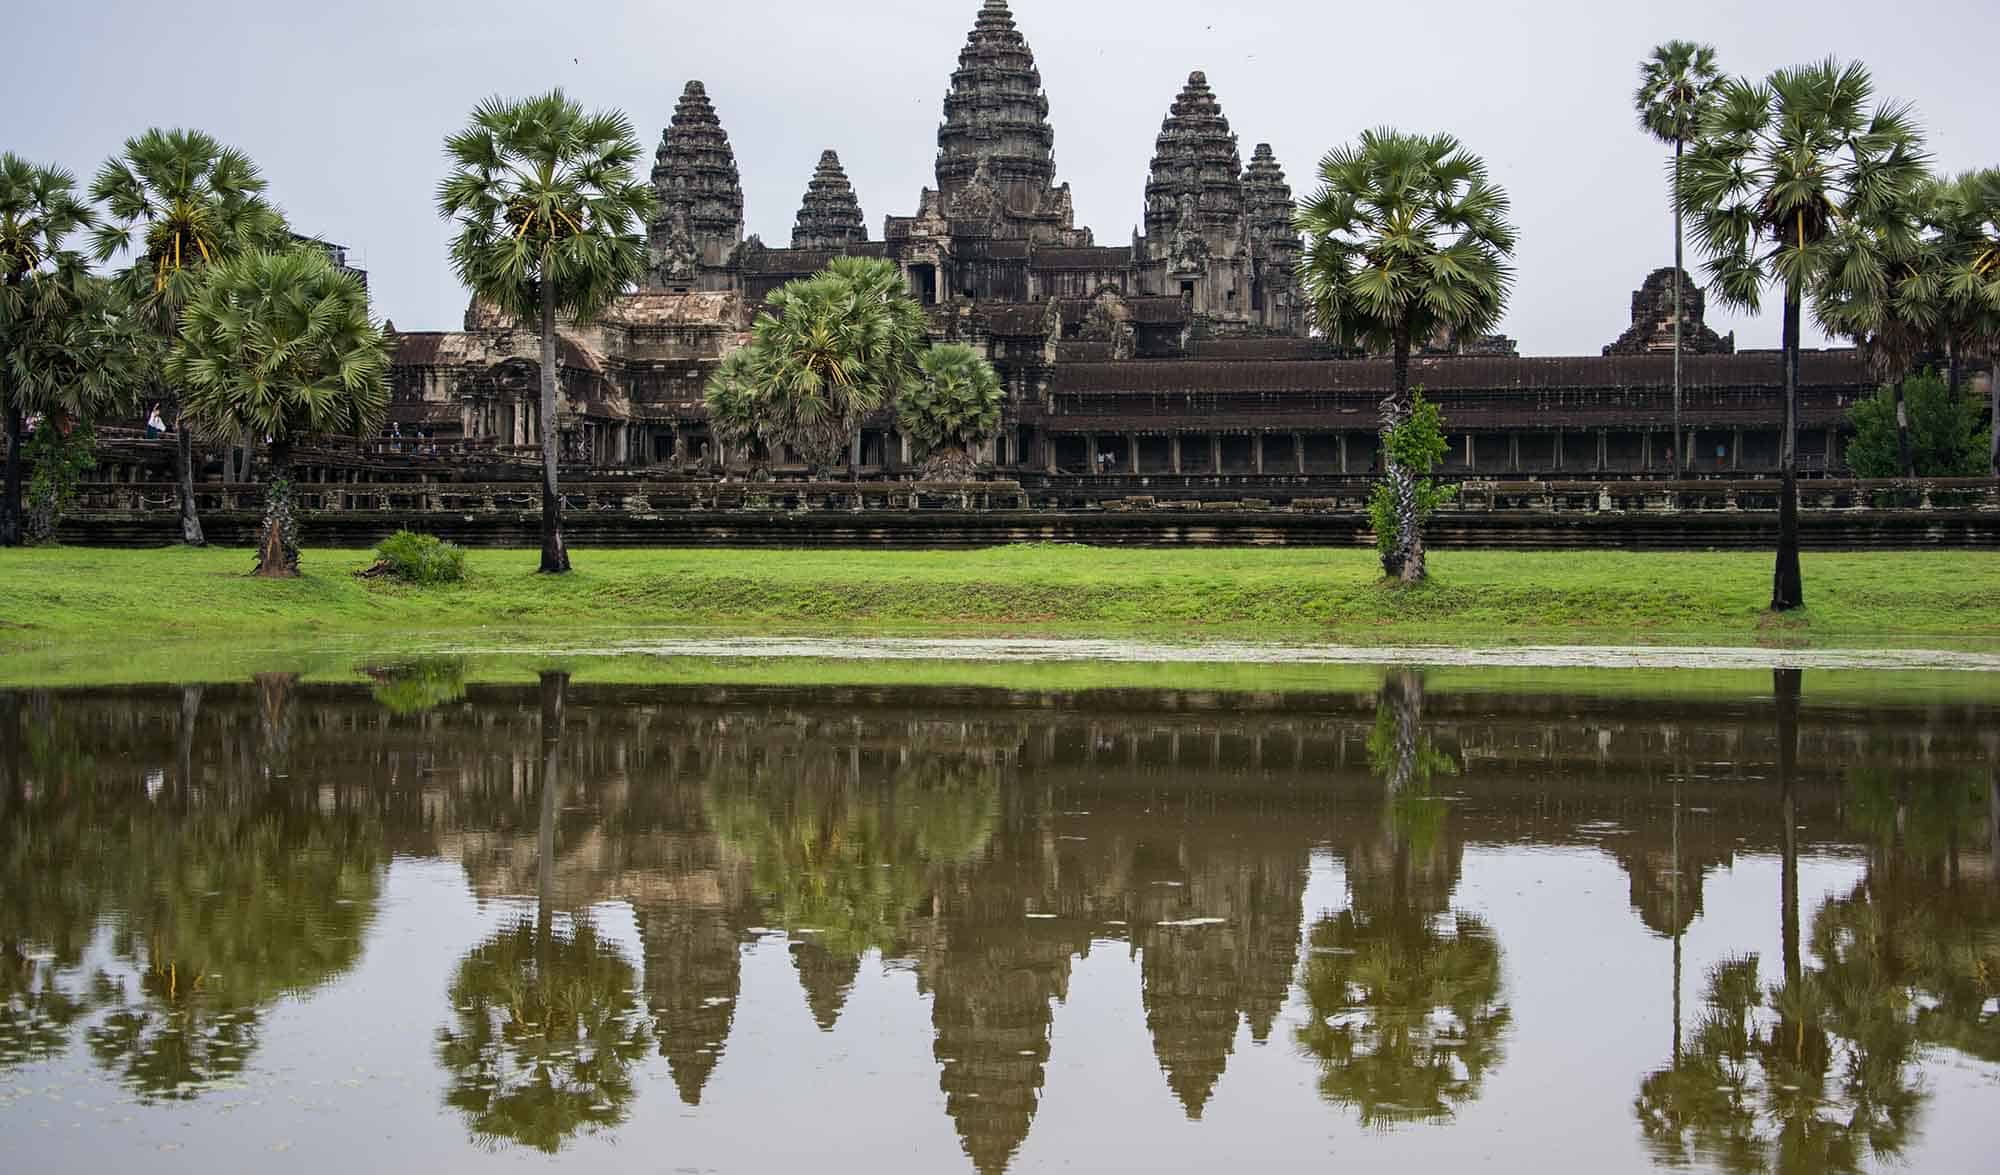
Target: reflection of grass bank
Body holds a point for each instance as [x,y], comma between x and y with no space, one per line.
[1605,597]
[1194,685]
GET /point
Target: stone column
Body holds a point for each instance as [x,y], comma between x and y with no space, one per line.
[1833,460]
[1736,450]
[1215,453]
[1299,451]
[1646,451]
[1603,449]
[1132,452]
[1090,453]
[1340,442]
[1471,462]
[1559,448]
[1176,446]
[1513,452]
[1257,451]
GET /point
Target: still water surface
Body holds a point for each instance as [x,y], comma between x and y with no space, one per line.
[421,926]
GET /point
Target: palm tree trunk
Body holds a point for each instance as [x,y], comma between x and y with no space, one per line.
[1994,455]
[1406,558]
[1787,586]
[278,547]
[1786,685]
[1904,460]
[184,472]
[1680,438]
[555,557]
[10,507]
[555,691]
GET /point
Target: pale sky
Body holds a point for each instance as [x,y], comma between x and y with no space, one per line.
[345,106]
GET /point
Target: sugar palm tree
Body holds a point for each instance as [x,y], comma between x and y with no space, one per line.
[1970,222]
[551,222]
[1779,166]
[1407,239]
[827,351]
[1676,87]
[68,347]
[952,407]
[280,345]
[178,202]
[1884,286]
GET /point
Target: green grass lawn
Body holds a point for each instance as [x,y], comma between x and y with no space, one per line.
[67,595]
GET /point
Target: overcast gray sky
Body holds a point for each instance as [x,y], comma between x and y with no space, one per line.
[344,105]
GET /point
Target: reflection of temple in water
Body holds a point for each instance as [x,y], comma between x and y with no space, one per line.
[991,839]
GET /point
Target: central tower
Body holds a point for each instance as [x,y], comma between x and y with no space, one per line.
[996,151]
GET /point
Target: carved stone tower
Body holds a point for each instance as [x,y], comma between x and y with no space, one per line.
[699,223]
[996,149]
[1197,229]
[1274,242]
[830,217]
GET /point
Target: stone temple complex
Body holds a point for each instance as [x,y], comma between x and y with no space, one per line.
[1186,352]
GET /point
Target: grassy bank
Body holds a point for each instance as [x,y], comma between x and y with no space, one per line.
[60,597]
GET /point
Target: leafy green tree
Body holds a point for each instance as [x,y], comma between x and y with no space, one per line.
[1407,239]
[280,345]
[1676,88]
[551,223]
[1778,165]
[179,202]
[1928,431]
[1416,444]
[68,349]
[952,407]
[826,351]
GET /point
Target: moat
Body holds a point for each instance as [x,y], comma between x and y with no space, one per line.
[737,928]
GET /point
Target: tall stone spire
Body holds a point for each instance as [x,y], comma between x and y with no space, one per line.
[830,217]
[1274,241]
[700,216]
[1197,179]
[996,117]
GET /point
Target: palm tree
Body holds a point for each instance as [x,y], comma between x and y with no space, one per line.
[551,220]
[280,345]
[1883,286]
[1778,166]
[1971,242]
[1407,240]
[68,347]
[827,351]
[180,202]
[950,409]
[1676,87]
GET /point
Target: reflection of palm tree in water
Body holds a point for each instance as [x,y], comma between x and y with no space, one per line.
[547,1021]
[215,908]
[1810,1075]
[1404,992]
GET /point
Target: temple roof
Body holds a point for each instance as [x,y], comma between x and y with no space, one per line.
[995,112]
[830,216]
[1096,257]
[1752,370]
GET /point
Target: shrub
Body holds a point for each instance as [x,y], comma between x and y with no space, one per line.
[1947,432]
[1417,444]
[420,559]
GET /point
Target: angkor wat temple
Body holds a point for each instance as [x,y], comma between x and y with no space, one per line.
[1183,354]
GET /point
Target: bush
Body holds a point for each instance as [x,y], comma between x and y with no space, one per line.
[420,559]
[1947,432]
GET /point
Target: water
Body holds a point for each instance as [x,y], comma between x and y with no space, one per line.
[420,925]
